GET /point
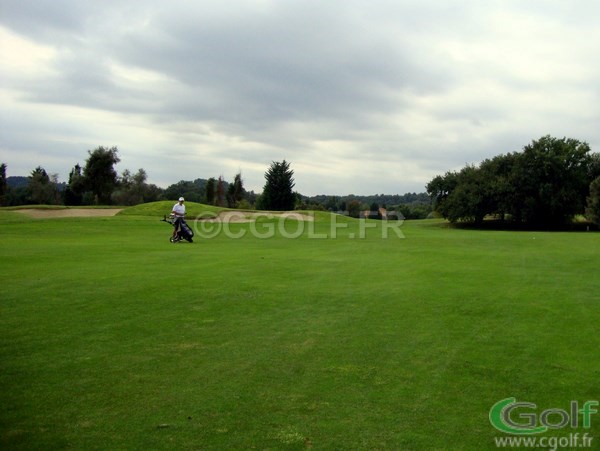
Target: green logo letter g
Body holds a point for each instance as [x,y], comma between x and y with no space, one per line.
[501,420]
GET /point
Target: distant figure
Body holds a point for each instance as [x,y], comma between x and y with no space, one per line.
[178,212]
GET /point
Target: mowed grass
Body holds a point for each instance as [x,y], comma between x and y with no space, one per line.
[113,338]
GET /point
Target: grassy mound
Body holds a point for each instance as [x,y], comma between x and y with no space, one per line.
[164,207]
[201,211]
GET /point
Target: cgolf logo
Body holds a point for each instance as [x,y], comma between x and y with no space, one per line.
[520,418]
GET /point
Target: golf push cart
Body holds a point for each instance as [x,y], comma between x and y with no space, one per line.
[181,230]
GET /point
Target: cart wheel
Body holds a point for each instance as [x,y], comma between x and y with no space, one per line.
[172,240]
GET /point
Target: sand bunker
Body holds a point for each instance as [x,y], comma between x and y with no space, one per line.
[224,216]
[69,212]
[249,216]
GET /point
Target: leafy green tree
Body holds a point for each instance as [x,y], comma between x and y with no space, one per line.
[411,211]
[192,191]
[100,175]
[278,191]
[439,189]
[477,191]
[147,192]
[593,202]
[354,207]
[332,204]
[470,200]
[594,167]
[132,189]
[545,185]
[497,184]
[152,193]
[41,188]
[552,181]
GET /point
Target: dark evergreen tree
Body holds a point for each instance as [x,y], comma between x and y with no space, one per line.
[75,187]
[211,189]
[3,184]
[220,192]
[278,191]
[235,191]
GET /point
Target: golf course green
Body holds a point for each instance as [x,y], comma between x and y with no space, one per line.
[278,333]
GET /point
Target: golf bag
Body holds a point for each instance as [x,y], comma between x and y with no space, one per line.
[182,230]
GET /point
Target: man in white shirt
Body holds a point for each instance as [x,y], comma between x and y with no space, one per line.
[179,209]
[178,212]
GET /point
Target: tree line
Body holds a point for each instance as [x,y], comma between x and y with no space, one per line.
[547,184]
[409,205]
[98,183]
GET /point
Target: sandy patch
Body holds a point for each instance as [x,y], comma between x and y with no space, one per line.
[69,212]
[247,216]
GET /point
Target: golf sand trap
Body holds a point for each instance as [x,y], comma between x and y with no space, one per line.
[224,216]
[245,216]
[69,212]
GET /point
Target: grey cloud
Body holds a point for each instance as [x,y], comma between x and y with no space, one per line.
[424,85]
[292,64]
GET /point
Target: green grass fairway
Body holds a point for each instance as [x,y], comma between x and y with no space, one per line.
[113,338]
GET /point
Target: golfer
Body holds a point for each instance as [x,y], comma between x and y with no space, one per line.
[179,209]
[178,212]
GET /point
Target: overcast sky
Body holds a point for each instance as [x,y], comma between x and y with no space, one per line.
[361,97]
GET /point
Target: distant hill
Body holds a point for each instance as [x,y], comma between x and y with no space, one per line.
[18,181]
